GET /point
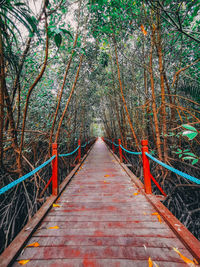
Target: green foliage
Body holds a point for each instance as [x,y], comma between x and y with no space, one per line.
[187,155]
[191,132]
[108,17]
[57,33]
[10,10]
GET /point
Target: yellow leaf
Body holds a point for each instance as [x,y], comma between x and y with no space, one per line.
[158,216]
[135,194]
[107,175]
[56,205]
[185,259]
[195,261]
[150,262]
[36,244]
[23,262]
[54,227]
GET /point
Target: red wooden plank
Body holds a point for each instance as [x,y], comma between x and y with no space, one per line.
[101,225]
[100,218]
[88,262]
[101,252]
[79,240]
[165,232]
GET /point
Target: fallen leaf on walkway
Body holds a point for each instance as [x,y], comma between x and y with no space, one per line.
[54,227]
[56,205]
[136,193]
[35,244]
[185,259]
[107,175]
[150,262]
[158,216]
[23,262]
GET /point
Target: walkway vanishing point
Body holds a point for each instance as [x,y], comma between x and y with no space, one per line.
[103,218]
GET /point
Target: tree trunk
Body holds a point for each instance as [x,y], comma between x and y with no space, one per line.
[123,98]
[31,89]
[162,86]
[158,142]
[2,85]
[69,99]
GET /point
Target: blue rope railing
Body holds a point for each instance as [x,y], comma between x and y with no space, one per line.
[108,140]
[23,178]
[84,145]
[115,144]
[131,152]
[111,142]
[70,153]
[183,174]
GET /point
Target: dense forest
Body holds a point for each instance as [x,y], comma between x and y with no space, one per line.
[121,69]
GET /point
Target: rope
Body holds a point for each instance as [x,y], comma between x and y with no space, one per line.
[108,140]
[183,174]
[115,144]
[14,183]
[69,154]
[131,152]
[84,145]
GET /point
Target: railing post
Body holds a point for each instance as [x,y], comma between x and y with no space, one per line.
[79,151]
[146,167]
[55,170]
[120,151]
[113,147]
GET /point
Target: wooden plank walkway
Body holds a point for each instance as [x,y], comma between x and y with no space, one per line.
[102,220]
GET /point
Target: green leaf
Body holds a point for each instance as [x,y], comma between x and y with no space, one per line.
[190,154]
[188,157]
[58,39]
[20,4]
[190,135]
[195,161]
[189,127]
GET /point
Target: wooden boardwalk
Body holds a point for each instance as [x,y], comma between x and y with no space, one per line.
[102,220]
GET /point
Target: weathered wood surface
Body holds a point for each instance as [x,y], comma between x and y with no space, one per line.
[103,220]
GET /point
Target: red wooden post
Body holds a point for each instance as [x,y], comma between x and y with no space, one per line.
[113,147]
[55,170]
[120,151]
[146,167]
[79,150]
